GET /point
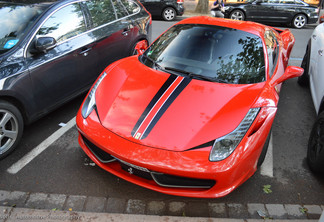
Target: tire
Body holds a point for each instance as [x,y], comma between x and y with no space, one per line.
[264,150]
[169,14]
[315,151]
[299,21]
[11,128]
[133,51]
[303,80]
[237,15]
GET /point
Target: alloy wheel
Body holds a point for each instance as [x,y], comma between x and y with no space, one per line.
[169,14]
[237,15]
[299,21]
[8,130]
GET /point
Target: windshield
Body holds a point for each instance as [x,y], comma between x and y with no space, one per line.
[15,19]
[215,53]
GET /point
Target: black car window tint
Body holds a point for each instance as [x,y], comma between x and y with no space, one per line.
[64,24]
[101,11]
[217,53]
[120,9]
[130,6]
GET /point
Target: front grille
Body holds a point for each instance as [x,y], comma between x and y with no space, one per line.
[136,172]
[165,180]
[99,153]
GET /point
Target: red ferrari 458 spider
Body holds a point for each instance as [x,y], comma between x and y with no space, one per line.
[191,114]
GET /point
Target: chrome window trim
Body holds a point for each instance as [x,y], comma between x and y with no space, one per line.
[69,39]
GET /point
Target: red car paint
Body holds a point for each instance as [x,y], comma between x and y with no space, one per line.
[202,112]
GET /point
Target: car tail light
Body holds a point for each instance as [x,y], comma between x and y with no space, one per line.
[180,1]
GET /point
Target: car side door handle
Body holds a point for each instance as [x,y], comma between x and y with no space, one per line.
[125,32]
[85,51]
[320,52]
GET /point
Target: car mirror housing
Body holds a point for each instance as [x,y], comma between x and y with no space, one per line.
[291,72]
[141,46]
[44,44]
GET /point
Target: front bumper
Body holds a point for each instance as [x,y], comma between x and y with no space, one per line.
[192,166]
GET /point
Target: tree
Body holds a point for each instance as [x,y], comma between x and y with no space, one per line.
[202,6]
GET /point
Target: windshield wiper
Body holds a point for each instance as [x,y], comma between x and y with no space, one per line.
[196,76]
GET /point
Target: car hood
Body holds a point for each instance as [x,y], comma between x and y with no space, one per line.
[165,111]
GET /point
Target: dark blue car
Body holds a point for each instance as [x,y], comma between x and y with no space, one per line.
[52,52]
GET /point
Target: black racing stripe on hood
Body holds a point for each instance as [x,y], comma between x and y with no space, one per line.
[166,105]
[157,96]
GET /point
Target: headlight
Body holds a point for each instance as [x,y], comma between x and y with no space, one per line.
[224,146]
[226,8]
[90,102]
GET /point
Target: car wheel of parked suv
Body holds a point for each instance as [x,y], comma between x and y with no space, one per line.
[169,14]
[299,21]
[11,128]
[315,152]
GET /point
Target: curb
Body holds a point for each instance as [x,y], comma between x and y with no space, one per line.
[19,214]
[11,201]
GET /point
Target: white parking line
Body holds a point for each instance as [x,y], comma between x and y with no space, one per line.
[267,166]
[16,167]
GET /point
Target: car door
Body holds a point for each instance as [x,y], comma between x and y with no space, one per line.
[316,65]
[284,11]
[67,69]
[111,29]
[263,10]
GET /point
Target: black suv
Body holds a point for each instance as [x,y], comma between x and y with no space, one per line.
[168,9]
[52,52]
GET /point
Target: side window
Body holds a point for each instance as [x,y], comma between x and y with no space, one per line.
[64,24]
[131,6]
[120,9]
[101,11]
[272,49]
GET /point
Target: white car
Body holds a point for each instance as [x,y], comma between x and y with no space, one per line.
[313,64]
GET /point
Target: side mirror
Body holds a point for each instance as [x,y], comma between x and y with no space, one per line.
[141,46]
[44,44]
[291,72]
[321,19]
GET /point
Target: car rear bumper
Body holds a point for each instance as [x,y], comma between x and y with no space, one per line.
[206,179]
[180,9]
